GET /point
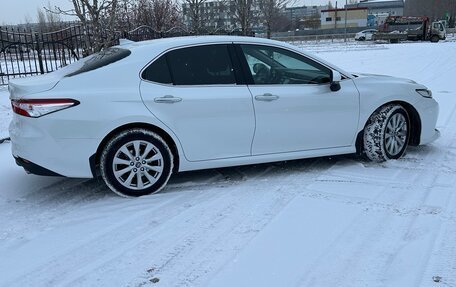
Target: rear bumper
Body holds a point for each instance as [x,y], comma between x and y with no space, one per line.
[32,168]
[43,153]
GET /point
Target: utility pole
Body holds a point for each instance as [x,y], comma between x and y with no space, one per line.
[335,19]
[345,36]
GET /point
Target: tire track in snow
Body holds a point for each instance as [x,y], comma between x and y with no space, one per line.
[214,223]
[73,252]
[351,258]
[53,200]
[140,236]
[241,231]
[441,259]
[79,253]
[361,256]
[230,214]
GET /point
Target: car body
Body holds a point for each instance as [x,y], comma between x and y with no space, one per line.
[365,35]
[205,102]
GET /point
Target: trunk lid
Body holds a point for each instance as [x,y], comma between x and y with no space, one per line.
[22,87]
[19,88]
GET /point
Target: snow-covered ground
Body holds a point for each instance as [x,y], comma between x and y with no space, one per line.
[337,221]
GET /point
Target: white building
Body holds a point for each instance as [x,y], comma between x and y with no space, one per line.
[335,18]
[380,7]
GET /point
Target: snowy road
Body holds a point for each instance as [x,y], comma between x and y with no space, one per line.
[337,221]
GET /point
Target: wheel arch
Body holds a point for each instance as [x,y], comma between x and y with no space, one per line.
[415,125]
[95,158]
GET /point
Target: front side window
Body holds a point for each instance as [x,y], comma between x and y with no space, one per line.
[202,65]
[438,26]
[272,66]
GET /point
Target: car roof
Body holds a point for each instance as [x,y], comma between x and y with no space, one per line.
[196,40]
[159,45]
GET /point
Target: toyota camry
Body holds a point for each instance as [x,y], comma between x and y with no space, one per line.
[138,112]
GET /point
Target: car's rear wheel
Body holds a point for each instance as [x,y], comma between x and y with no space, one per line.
[136,162]
[386,134]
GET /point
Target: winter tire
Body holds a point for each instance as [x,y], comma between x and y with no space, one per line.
[386,134]
[435,39]
[136,162]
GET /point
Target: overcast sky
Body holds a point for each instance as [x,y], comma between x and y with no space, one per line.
[16,11]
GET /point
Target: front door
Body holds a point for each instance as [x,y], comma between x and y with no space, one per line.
[295,108]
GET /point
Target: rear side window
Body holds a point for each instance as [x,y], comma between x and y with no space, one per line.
[202,65]
[101,59]
[158,72]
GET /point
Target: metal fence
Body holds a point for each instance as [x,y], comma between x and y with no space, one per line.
[25,53]
[318,38]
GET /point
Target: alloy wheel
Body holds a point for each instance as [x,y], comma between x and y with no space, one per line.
[137,164]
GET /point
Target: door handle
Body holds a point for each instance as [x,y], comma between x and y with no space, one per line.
[168,99]
[266,97]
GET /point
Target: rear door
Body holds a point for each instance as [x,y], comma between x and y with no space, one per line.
[194,91]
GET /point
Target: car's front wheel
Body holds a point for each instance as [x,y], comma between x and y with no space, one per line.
[386,134]
[136,162]
[435,39]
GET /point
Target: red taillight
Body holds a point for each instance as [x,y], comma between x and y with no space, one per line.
[35,108]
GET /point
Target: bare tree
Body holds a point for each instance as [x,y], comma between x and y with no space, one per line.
[98,17]
[312,22]
[165,14]
[244,14]
[142,12]
[126,15]
[161,15]
[28,21]
[47,20]
[283,23]
[41,18]
[195,10]
[270,11]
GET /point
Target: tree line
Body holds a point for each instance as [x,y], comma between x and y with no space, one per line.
[105,18]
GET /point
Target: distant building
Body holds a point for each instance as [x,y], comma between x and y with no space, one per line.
[218,14]
[303,16]
[434,9]
[298,13]
[335,18]
[392,7]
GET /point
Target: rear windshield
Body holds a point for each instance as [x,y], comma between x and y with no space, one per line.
[101,59]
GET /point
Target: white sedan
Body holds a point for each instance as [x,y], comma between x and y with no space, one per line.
[365,35]
[138,112]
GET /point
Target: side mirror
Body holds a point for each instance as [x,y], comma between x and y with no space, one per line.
[336,77]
